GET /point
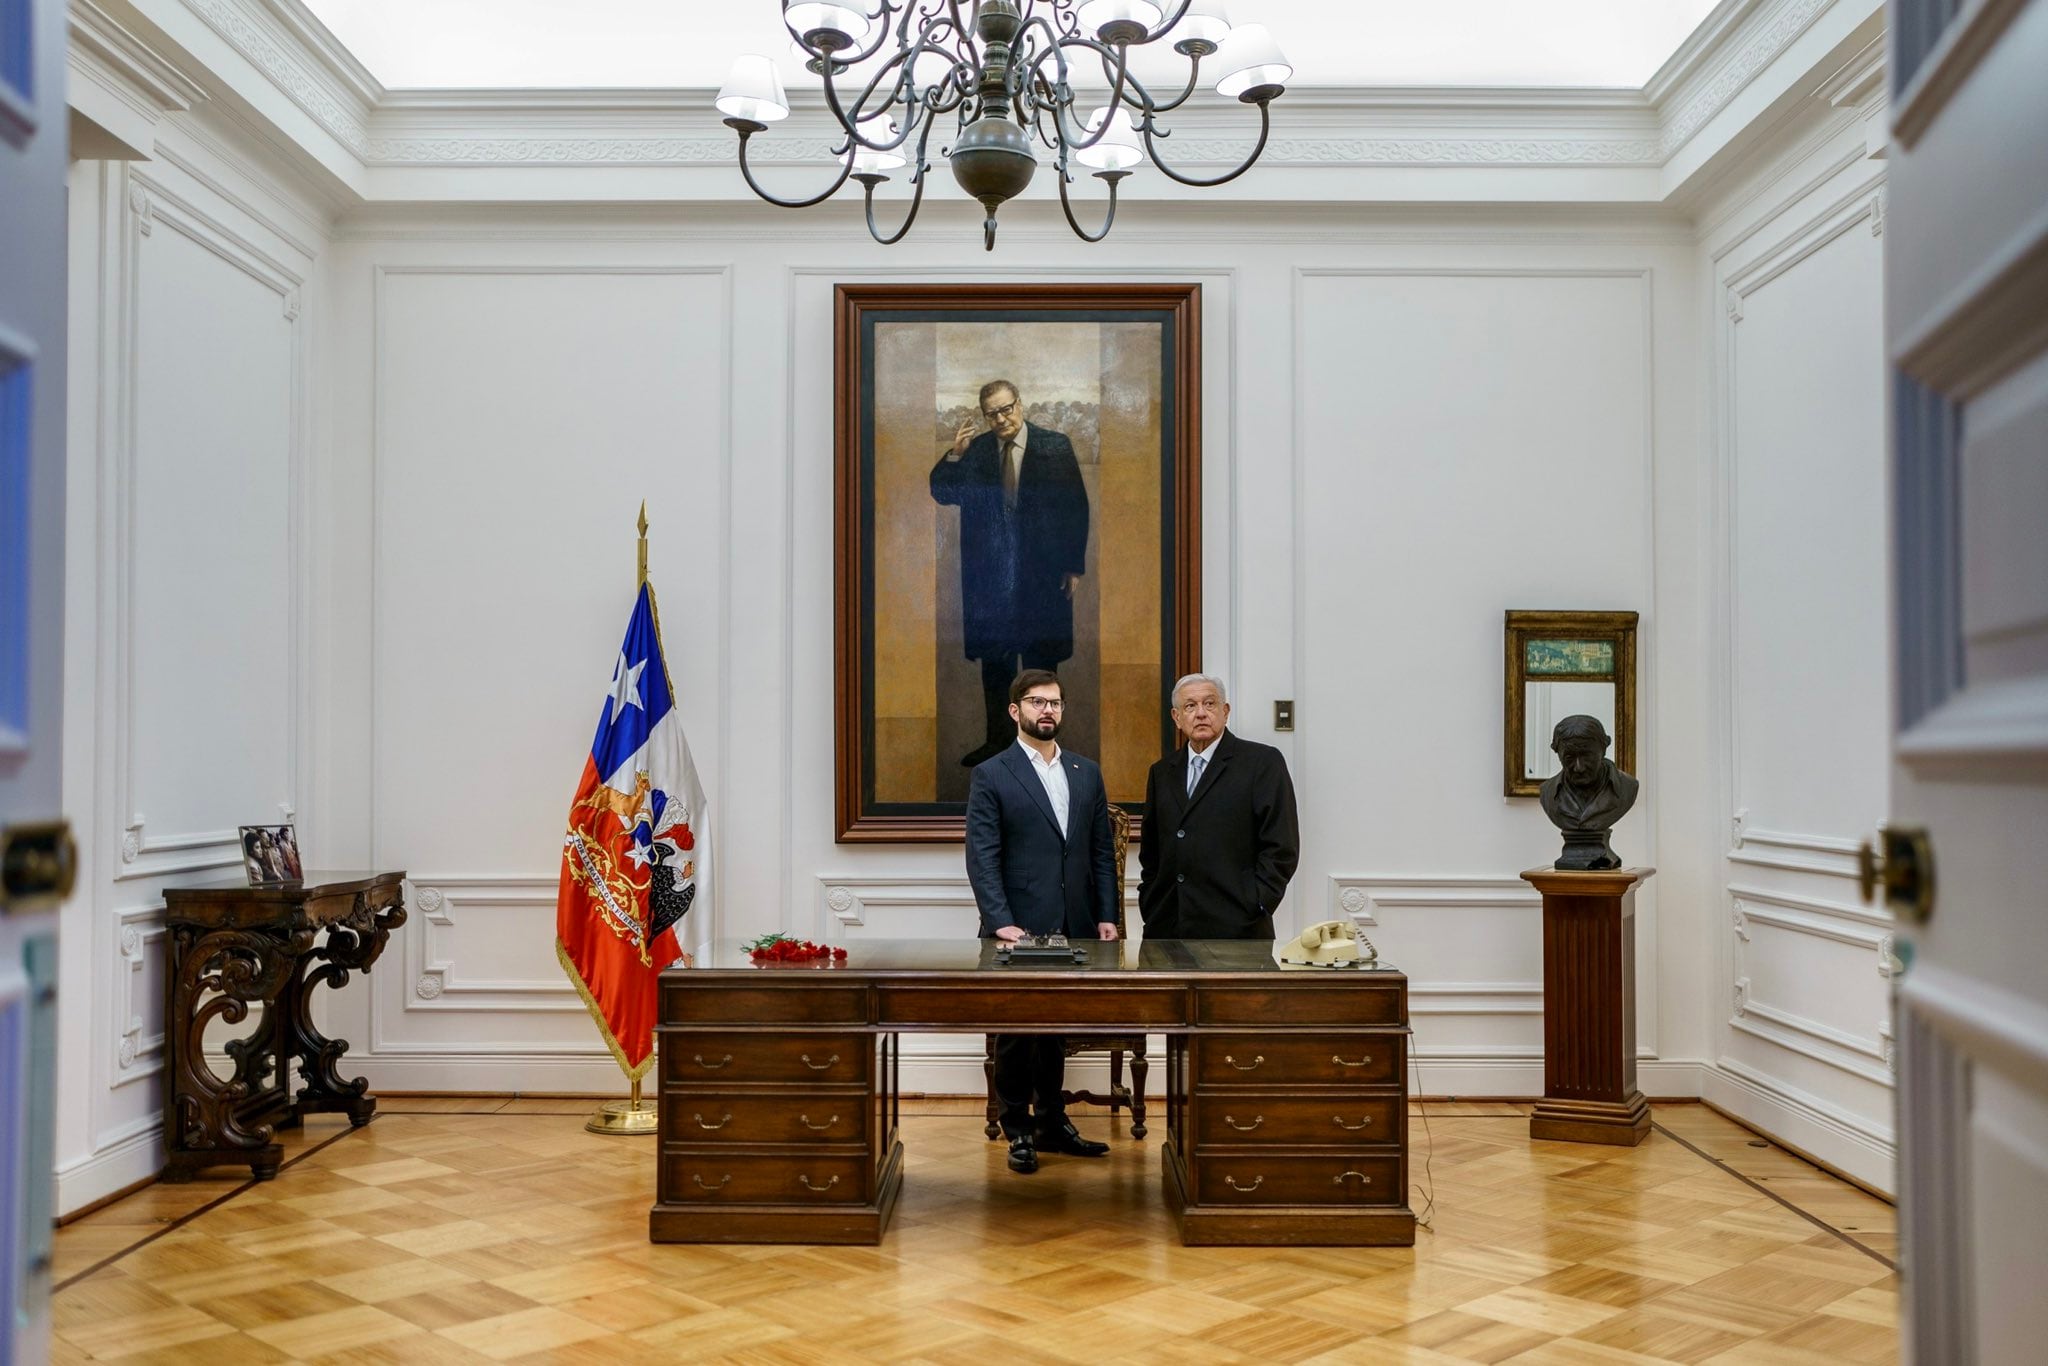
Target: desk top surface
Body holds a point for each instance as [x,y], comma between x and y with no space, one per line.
[1165,957]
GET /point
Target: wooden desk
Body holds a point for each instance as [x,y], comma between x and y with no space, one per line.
[1286,1105]
[232,946]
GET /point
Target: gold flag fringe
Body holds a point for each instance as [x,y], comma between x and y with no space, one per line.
[604,1027]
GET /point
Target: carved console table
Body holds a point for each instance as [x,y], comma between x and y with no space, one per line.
[231,947]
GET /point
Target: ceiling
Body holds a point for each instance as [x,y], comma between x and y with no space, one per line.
[408,44]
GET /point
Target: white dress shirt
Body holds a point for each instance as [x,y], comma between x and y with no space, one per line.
[1052,775]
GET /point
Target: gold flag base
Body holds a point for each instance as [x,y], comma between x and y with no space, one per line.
[621,1118]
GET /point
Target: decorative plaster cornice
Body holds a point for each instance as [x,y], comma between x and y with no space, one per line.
[1752,49]
[1384,127]
[290,64]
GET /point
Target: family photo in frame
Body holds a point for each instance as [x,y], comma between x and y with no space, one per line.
[270,855]
[1017,485]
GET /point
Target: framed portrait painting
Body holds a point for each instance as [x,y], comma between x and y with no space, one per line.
[1018,485]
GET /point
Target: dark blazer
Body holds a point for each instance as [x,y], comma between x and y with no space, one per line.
[1011,563]
[1214,864]
[1023,873]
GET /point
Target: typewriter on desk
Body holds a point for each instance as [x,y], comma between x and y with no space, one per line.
[1039,950]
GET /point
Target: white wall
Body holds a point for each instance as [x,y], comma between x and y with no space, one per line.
[1402,420]
[1793,254]
[185,624]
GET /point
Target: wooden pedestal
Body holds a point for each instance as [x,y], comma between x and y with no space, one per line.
[1589,1008]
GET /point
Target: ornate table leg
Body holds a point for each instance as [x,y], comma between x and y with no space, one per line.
[353,944]
[212,1121]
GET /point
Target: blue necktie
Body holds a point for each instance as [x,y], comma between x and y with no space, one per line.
[1196,763]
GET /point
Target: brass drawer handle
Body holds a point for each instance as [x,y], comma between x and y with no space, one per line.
[1365,1061]
[805,1120]
[1341,1177]
[805,1177]
[720,1125]
[721,1182]
[1244,1066]
[832,1061]
[1338,1120]
[1257,1120]
[713,1066]
[1257,1182]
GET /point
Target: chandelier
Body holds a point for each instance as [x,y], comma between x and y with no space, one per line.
[998,71]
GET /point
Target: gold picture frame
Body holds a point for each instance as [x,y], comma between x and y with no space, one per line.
[1558,663]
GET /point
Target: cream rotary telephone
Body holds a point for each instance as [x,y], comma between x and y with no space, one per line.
[1332,944]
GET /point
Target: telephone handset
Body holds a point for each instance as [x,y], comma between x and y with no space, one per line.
[1330,944]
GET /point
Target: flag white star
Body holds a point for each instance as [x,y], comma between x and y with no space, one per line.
[626,686]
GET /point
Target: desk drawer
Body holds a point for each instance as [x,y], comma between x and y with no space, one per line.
[1355,1002]
[780,1179]
[718,1060]
[1339,1179]
[703,1118]
[1298,1059]
[1264,1120]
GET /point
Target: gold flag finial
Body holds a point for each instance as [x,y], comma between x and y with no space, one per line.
[643,541]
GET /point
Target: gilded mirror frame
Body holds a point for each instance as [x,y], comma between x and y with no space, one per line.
[1616,631]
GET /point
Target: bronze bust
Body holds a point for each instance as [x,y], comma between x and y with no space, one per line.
[1587,795]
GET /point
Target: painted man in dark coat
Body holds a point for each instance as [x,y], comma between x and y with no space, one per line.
[1023,549]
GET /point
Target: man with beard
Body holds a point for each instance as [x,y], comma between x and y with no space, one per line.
[1041,861]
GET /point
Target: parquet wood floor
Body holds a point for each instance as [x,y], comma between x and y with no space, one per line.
[464,1230]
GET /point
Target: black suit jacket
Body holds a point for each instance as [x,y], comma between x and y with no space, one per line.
[1022,871]
[1011,563]
[1214,864]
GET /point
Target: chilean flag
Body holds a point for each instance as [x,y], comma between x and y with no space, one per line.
[634,856]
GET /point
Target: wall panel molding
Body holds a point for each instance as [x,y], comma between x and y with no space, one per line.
[441,905]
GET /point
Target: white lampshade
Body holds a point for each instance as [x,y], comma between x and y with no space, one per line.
[1249,57]
[753,91]
[1205,21]
[1119,149]
[808,16]
[1095,13]
[866,160]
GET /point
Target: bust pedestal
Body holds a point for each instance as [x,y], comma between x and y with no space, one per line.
[1589,1008]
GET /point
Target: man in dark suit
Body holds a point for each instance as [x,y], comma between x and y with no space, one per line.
[1023,548]
[1220,840]
[1041,861]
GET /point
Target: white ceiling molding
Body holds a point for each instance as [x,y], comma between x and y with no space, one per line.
[1612,138]
[120,87]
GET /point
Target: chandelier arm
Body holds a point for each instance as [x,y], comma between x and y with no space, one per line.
[1143,97]
[1265,128]
[1077,139]
[916,200]
[1067,207]
[845,169]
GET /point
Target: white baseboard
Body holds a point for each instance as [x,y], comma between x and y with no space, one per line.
[1850,1143]
[119,1165]
[1515,1078]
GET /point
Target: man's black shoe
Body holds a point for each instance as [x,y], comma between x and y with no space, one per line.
[1023,1155]
[1065,1138]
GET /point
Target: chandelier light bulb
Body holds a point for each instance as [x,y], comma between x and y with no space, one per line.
[1250,65]
[753,92]
[1119,148]
[825,26]
[868,161]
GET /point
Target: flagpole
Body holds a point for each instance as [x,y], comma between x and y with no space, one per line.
[632,1116]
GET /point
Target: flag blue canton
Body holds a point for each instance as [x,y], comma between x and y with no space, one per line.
[640,695]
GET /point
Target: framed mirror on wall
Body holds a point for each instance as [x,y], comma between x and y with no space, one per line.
[1563,664]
